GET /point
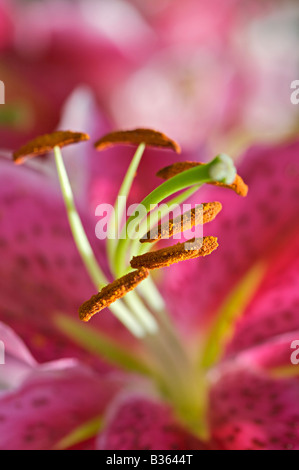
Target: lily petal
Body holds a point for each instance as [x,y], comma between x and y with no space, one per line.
[18,361]
[274,356]
[15,346]
[49,405]
[248,230]
[250,410]
[137,422]
[254,398]
[274,308]
[41,271]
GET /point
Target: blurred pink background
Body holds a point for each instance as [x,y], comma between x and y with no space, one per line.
[210,74]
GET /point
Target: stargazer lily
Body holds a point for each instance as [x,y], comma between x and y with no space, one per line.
[192,352]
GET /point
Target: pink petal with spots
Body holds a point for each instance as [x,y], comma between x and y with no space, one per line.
[274,309]
[252,404]
[248,229]
[41,271]
[51,404]
[137,422]
[250,410]
[272,355]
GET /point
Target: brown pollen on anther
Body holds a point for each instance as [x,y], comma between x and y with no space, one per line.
[200,214]
[172,170]
[45,143]
[112,292]
[149,137]
[176,253]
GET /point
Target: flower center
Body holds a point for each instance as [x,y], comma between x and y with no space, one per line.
[133,296]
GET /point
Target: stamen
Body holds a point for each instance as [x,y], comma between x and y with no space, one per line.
[45,143]
[119,207]
[174,254]
[193,177]
[82,242]
[112,292]
[202,213]
[168,172]
[149,137]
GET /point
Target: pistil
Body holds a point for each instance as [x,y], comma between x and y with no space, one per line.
[170,171]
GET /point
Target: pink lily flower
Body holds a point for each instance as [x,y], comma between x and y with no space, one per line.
[37,409]
[223,381]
